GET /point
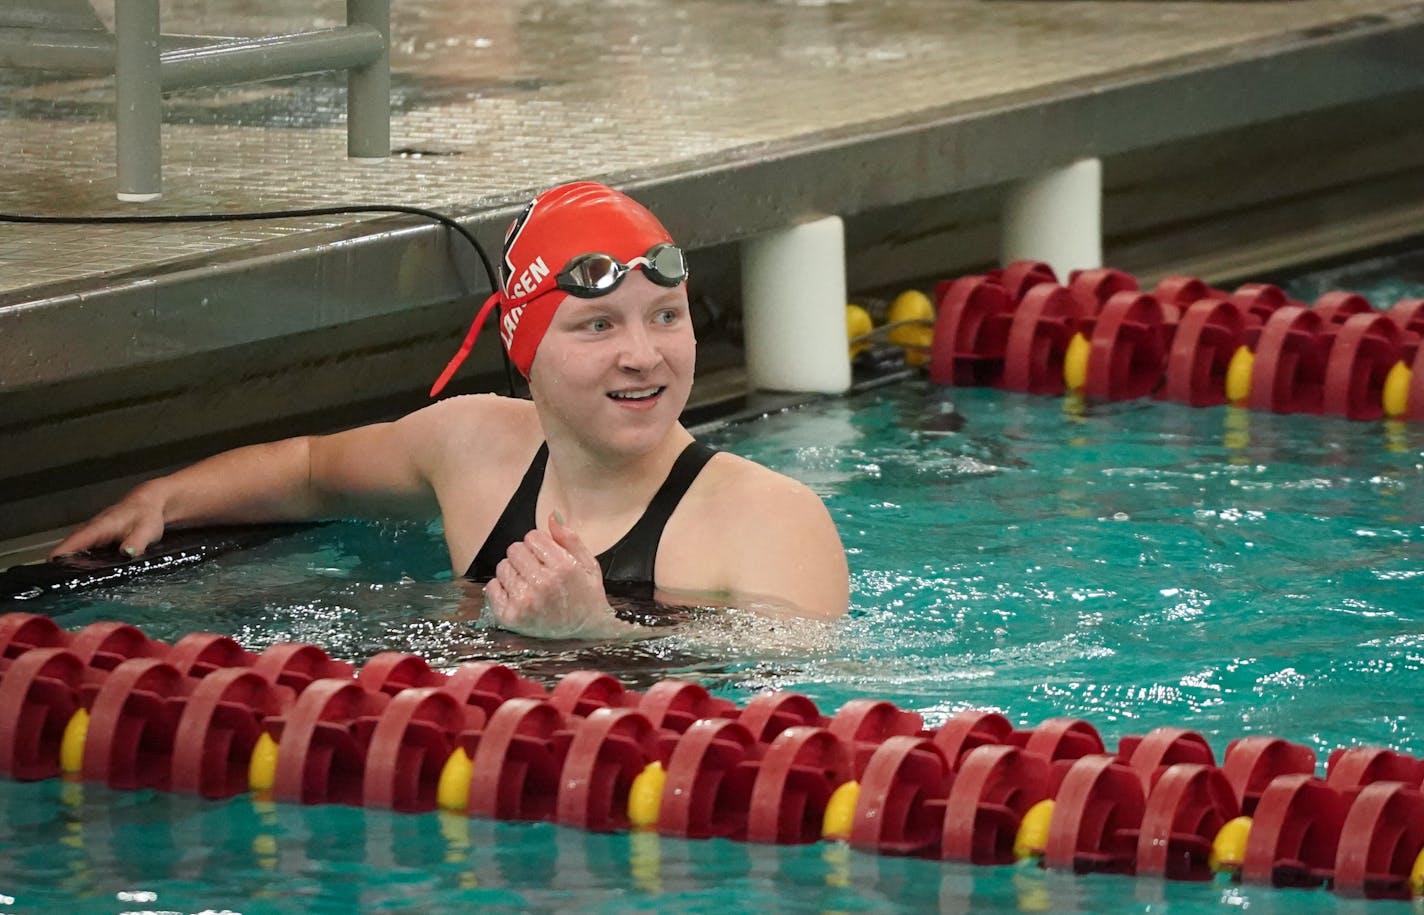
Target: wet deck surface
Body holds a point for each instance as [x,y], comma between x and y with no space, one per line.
[495,98]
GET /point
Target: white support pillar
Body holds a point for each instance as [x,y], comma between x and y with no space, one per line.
[793,308]
[1057,218]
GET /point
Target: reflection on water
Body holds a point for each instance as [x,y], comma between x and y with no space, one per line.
[715,646]
[1137,565]
[80,848]
[1154,565]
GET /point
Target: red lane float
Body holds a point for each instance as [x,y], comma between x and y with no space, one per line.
[297,665]
[411,741]
[109,705]
[102,645]
[516,766]
[1363,351]
[20,632]
[609,749]
[901,804]
[1096,818]
[768,714]
[488,685]
[201,653]
[1350,770]
[970,333]
[1208,336]
[709,781]
[1151,755]
[1039,333]
[999,784]
[969,729]
[1295,833]
[676,705]
[132,720]
[1187,807]
[1016,329]
[1128,348]
[1253,763]
[1091,290]
[323,738]
[1379,841]
[794,782]
[863,725]
[219,729]
[39,694]
[1180,292]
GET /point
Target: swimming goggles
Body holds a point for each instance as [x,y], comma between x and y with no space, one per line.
[589,276]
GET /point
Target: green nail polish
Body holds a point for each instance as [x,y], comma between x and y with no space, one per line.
[558,517]
[131,551]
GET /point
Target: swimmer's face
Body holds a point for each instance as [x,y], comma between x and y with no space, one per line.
[616,371]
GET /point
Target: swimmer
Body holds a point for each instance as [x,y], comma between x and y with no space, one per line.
[591,490]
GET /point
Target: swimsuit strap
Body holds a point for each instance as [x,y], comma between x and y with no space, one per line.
[514,522]
[628,564]
[633,557]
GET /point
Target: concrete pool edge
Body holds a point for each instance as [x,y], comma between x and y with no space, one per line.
[122,370]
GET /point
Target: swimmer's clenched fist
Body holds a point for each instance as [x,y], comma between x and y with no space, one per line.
[594,313]
[551,585]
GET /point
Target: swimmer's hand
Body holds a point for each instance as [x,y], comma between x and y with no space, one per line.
[550,585]
[134,523]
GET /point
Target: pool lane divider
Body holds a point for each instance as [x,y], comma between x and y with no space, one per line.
[106,704]
[1101,335]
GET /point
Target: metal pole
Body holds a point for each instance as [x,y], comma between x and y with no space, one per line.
[50,49]
[368,88]
[251,59]
[139,102]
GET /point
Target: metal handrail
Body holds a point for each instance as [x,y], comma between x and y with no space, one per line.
[146,63]
[251,59]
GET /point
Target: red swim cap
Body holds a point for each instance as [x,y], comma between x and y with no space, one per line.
[557,226]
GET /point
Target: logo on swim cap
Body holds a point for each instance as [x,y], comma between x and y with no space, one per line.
[558,225]
[511,238]
[528,279]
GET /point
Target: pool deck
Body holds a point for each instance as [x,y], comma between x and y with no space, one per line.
[126,348]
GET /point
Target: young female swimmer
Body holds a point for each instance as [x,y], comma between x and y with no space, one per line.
[590,490]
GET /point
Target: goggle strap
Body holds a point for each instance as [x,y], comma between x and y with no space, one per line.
[465,347]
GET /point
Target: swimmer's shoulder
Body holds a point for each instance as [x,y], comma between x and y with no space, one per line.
[759,532]
[469,427]
[489,415]
[742,493]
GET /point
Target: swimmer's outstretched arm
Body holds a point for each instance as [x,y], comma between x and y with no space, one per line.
[370,470]
[257,483]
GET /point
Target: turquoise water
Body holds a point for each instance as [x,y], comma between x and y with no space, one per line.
[1135,564]
[1383,278]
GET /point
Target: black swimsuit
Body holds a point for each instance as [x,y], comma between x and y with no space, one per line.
[628,564]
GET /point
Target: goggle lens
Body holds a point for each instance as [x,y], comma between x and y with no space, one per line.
[600,273]
[592,275]
[666,265]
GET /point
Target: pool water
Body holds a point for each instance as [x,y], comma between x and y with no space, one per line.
[1383,277]
[1136,564]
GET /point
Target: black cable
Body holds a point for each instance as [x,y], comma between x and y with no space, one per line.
[284,214]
